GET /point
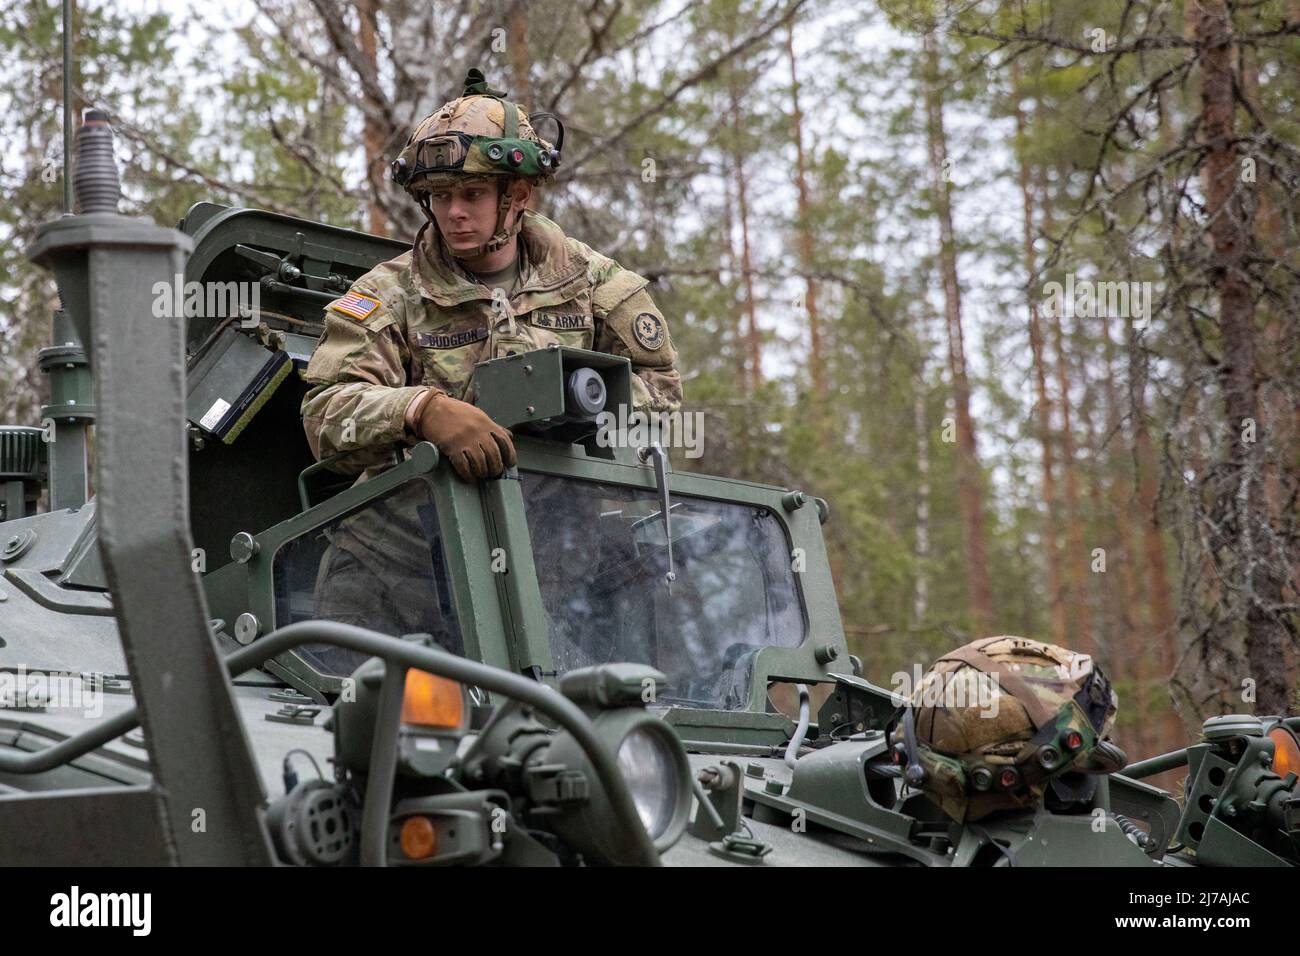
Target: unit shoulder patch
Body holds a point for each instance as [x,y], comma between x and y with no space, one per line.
[356,306]
[649,331]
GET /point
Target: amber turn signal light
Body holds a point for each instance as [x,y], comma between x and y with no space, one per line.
[419,838]
[1286,752]
[431,701]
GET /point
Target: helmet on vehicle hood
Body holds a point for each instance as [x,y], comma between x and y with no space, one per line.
[996,722]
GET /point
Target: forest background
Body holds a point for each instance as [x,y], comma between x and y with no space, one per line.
[852,213]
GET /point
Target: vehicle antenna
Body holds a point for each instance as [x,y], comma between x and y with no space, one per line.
[67,107]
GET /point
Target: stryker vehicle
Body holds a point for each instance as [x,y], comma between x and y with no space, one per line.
[594,660]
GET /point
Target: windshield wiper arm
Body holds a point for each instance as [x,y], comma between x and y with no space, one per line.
[655,451]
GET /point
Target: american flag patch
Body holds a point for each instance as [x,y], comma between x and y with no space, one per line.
[356,305]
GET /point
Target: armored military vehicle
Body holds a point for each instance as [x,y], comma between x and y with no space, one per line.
[230,653]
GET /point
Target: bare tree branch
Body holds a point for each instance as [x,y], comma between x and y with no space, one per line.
[245,192]
[596,37]
[703,73]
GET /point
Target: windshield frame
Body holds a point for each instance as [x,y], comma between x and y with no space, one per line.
[250,586]
[801,527]
[501,614]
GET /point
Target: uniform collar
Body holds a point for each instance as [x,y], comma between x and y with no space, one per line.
[550,263]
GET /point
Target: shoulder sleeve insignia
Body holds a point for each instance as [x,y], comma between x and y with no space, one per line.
[649,330]
[355,305]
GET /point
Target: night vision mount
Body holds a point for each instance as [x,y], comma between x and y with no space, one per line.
[457,151]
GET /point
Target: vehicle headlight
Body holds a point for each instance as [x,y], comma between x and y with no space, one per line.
[649,754]
[647,761]
[652,760]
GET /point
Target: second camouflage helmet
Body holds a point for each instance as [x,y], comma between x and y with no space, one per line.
[997,721]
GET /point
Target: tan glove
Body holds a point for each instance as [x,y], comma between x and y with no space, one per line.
[476,446]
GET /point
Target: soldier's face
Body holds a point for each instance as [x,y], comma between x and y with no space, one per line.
[467,215]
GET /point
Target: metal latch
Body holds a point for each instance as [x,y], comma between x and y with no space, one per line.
[294,714]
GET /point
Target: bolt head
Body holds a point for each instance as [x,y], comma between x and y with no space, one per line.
[246,628]
[243,546]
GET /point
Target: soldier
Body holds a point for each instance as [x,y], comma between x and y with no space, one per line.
[486,277]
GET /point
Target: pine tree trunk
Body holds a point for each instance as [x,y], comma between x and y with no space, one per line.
[806,257]
[921,594]
[521,89]
[1162,631]
[737,271]
[1130,646]
[1077,558]
[968,471]
[1109,642]
[1239,508]
[1043,406]
[521,58]
[1077,553]
[1280,421]
[753,350]
[373,136]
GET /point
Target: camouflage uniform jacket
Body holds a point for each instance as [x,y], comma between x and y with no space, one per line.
[418,321]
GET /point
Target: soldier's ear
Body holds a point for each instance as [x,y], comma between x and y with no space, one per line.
[521,190]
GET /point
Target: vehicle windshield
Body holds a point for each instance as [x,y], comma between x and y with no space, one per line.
[381,567]
[601,564]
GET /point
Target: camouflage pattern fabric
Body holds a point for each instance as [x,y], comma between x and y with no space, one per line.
[381,571]
[994,702]
[477,116]
[419,321]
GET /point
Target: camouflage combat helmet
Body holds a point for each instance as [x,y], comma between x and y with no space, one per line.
[995,723]
[480,134]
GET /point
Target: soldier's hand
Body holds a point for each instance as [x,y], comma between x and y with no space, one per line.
[476,446]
